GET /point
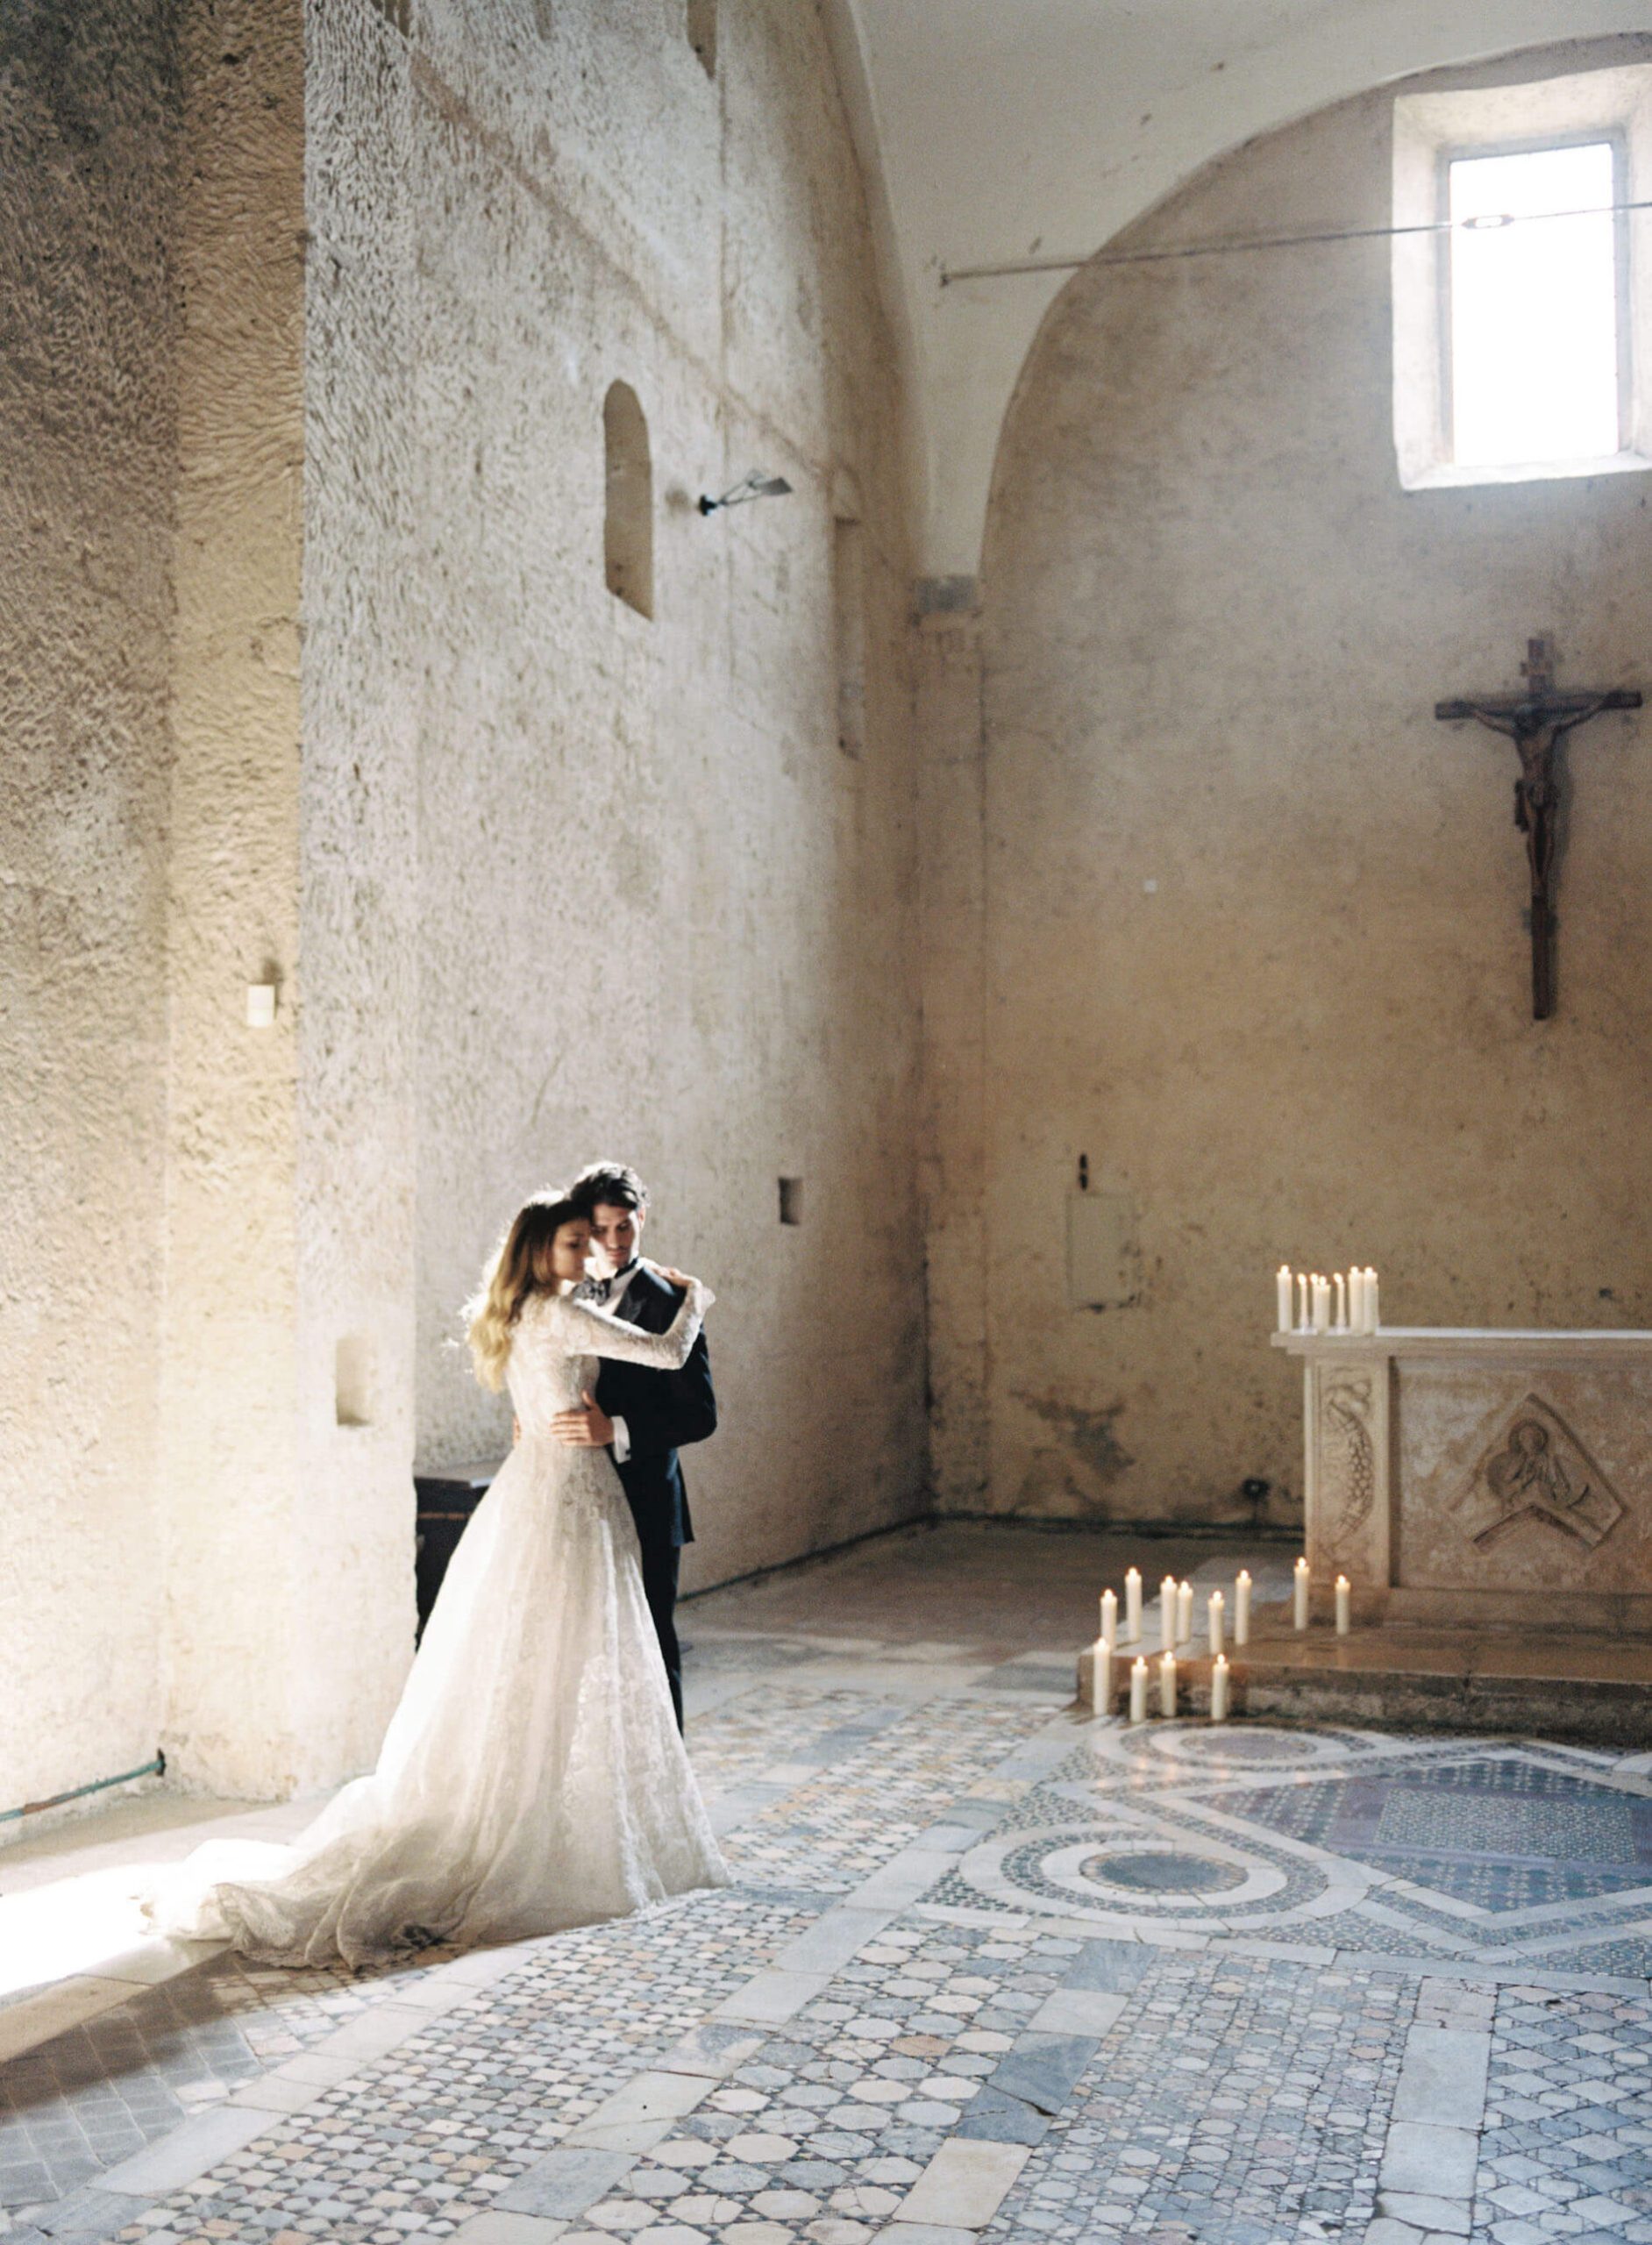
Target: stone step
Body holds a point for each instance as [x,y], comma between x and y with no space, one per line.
[1562,1684]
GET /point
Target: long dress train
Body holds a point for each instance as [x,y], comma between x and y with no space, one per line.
[532,1776]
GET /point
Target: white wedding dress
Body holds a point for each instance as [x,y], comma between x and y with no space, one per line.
[532,1776]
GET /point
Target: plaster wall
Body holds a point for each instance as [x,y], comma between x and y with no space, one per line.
[660,914]
[1007,134]
[1252,919]
[228,1461]
[88,107]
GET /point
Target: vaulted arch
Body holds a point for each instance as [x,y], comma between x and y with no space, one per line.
[1045,129]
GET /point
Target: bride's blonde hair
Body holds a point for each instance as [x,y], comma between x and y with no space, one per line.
[523,1264]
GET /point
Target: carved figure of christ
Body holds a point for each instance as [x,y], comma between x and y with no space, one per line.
[1536,721]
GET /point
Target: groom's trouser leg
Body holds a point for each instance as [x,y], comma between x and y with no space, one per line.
[661,1566]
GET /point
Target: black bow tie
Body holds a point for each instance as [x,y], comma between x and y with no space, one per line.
[602,1288]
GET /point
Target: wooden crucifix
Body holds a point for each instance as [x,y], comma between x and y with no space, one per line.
[1536,721]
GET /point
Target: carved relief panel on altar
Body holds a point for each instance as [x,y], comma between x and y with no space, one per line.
[1531,1481]
[1536,1472]
[1349,1479]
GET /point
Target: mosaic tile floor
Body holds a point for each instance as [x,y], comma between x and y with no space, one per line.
[992,1970]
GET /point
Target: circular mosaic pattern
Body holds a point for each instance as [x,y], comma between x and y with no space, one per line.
[1163,1874]
[1216,1748]
[1123,1872]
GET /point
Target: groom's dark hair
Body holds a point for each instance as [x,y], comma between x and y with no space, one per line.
[612,1183]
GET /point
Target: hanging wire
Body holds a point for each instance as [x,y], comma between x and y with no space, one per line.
[1489,222]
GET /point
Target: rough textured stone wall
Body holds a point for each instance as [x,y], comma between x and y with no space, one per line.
[359,862]
[239,1573]
[88,101]
[1253,918]
[659,913]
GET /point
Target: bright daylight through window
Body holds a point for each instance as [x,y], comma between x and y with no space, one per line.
[1536,331]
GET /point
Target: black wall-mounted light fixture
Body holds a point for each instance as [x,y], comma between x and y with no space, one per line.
[758,484]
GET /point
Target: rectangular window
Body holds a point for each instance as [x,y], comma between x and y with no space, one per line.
[1522,285]
[1536,318]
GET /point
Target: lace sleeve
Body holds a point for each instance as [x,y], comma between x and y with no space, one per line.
[597,1333]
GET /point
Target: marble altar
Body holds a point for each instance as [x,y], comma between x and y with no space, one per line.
[1477,1476]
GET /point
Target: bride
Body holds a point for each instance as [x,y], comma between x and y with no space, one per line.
[532,1777]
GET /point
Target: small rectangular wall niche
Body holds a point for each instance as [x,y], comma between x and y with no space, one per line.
[702,27]
[791,1199]
[848,623]
[352,1382]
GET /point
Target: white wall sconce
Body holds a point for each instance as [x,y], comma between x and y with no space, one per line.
[260,1005]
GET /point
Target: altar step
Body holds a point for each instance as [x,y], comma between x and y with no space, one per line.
[1596,1691]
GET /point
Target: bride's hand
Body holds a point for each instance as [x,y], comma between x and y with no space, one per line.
[676,1278]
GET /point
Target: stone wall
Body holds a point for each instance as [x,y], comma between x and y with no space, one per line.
[314,681]
[1252,919]
[659,913]
[88,105]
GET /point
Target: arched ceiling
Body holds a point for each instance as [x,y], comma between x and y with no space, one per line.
[996,129]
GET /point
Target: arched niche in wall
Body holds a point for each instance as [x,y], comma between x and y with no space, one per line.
[702,33]
[628,530]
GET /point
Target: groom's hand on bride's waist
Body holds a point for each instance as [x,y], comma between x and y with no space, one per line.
[589,1428]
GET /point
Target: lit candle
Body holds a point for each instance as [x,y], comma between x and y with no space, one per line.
[1372,1311]
[1300,1614]
[1109,1619]
[1282,1288]
[1344,1606]
[1138,1689]
[1167,1611]
[1339,1318]
[1102,1677]
[1219,1689]
[1133,1604]
[1213,1616]
[1184,1613]
[1302,1318]
[1321,1305]
[1356,1300]
[1242,1608]
[1167,1684]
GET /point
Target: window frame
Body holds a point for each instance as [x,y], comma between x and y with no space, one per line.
[1432,132]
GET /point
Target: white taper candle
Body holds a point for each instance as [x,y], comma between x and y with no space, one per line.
[1167,1684]
[1213,1617]
[1219,1690]
[1242,1608]
[1300,1613]
[1138,1688]
[1102,1677]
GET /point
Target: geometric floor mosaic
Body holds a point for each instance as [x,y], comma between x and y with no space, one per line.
[991,1970]
[1493,1850]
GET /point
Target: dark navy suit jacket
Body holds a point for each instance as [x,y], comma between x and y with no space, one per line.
[663,1412]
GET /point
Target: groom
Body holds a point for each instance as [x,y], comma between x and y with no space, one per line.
[644,1417]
